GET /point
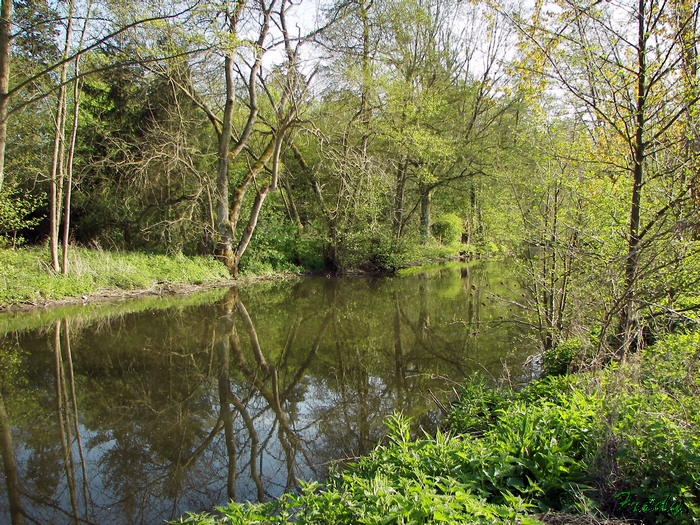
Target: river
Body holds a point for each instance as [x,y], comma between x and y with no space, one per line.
[138,411]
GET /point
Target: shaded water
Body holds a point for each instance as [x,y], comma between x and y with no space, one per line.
[140,412]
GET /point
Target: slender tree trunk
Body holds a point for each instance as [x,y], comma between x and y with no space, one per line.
[401,175]
[426,197]
[71,149]
[57,159]
[687,20]
[69,178]
[366,75]
[627,317]
[5,44]
[293,211]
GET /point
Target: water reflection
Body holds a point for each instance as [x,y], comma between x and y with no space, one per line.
[139,417]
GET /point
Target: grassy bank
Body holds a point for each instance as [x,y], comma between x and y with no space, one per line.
[26,277]
[622,443]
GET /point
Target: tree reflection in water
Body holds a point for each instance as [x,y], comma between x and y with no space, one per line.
[140,417]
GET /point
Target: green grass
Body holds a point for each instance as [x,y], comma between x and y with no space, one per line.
[624,442]
[26,275]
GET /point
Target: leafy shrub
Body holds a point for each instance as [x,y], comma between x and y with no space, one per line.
[557,361]
[16,208]
[657,426]
[274,246]
[448,228]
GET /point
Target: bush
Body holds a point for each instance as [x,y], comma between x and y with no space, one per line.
[16,208]
[448,228]
[557,361]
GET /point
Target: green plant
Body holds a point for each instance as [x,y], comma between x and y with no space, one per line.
[448,228]
[16,209]
[558,360]
[25,276]
[509,453]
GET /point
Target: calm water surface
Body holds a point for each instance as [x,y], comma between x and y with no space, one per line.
[135,413]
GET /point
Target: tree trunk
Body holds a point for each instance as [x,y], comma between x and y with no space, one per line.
[257,204]
[366,76]
[57,159]
[225,247]
[627,326]
[5,44]
[71,149]
[401,175]
[426,197]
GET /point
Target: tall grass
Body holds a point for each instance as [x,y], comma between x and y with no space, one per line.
[26,276]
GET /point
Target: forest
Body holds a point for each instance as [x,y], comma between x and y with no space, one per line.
[358,134]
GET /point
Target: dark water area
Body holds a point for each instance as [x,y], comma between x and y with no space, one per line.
[138,414]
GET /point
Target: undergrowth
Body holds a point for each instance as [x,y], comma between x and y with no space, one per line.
[624,442]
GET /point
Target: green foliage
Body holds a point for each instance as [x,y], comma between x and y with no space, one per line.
[448,228]
[536,450]
[569,443]
[431,251]
[16,208]
[407,481]
[635,434]
[557,361]
[658,429]
[273,248]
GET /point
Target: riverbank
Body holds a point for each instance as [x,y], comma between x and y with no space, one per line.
[620,444]
[27,280]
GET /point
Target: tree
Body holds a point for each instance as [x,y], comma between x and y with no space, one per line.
[257,148]
[5,43]
[619,63]
[406,113]
[30,37]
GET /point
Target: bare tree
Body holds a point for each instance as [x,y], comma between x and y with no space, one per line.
[284,89]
